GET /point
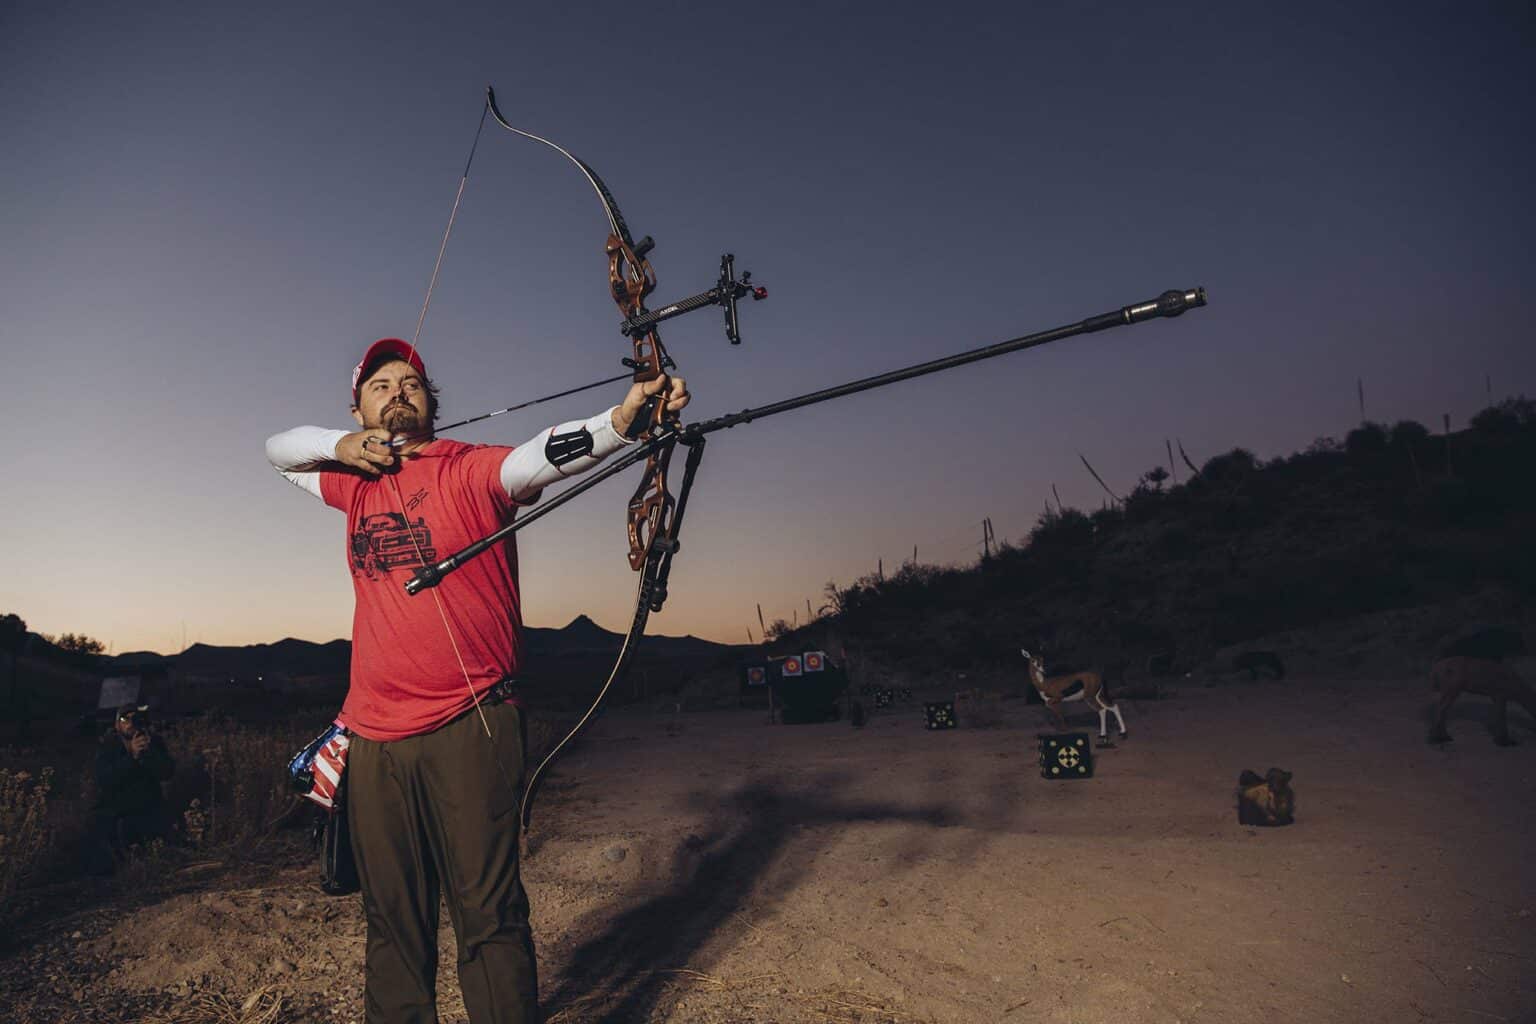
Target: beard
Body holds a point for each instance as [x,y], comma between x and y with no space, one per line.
[401,418]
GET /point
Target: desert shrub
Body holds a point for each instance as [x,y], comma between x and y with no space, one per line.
[1366,439]
[1239,513]
[1448,502]
[1061,531]
[1494,420]
[1177,541]
[1145,503]
[1107,521]
[1407,433]
[236,771]
[1230,468]
[1507,417]
[24,833]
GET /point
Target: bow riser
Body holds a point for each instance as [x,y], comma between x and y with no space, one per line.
[650,507]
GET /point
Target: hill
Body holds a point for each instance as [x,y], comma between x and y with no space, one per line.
[299,658]
[1410,537]
[564,668]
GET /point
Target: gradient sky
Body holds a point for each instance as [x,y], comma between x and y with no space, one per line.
[209,210]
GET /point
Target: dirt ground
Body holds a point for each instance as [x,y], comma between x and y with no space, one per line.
[710,867]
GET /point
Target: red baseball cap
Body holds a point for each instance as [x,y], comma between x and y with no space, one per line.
[386,347]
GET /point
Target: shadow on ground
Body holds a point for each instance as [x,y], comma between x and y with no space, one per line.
[624,973]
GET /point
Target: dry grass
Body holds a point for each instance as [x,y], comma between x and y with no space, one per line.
[265,1005]
[24,832]
[228,794]
[766,996]
[227,800]
[235,773]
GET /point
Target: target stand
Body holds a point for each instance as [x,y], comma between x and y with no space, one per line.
[1066,755]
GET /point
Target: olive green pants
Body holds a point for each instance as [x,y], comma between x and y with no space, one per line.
[436,816]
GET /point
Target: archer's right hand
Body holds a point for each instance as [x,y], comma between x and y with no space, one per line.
[367,450]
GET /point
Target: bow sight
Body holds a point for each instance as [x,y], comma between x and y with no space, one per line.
[724,293]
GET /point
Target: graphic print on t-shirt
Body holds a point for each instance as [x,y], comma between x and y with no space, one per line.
[386,541]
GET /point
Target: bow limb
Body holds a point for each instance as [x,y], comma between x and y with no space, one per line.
[630,276]
[651,521]
[650,594]
[610,206]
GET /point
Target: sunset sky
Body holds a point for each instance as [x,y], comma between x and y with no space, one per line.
[210,210]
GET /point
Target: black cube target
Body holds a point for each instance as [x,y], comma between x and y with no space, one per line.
[940,714]
[1066,755]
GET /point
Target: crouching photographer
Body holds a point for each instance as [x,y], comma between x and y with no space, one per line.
[131,764]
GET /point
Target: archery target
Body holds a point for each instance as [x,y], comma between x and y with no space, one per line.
[940,714]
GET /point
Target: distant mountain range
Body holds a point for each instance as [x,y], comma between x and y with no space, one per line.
[580,639]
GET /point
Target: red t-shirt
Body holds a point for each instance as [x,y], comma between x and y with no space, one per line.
[406,676]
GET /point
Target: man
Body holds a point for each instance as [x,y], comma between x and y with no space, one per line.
[435,768]
[131,764]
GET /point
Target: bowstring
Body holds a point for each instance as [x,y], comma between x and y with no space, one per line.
[452,216]
[413,350]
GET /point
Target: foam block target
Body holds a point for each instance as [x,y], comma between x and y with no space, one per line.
[940,714]
[1066,755]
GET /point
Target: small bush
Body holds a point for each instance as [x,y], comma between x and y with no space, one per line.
[1508,417]
[1407,433]
[1066,530]
[24,833]
[1230,468]
[1367,439]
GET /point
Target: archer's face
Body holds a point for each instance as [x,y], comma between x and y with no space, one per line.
[394,398]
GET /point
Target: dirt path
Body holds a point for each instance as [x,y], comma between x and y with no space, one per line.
[714,868]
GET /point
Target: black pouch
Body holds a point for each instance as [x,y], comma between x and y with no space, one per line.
[338,869]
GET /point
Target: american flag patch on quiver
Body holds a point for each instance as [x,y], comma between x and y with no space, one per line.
[316,771]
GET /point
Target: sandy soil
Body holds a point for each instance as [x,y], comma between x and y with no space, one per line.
[712,867]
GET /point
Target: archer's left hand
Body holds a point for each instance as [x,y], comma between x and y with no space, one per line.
[675,390]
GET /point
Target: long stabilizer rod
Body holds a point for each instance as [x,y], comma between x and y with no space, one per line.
[1169,304]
